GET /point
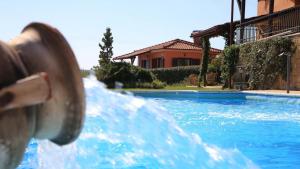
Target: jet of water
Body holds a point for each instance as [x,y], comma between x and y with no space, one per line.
[126,132]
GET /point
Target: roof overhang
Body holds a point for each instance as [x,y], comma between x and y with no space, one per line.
[219,30]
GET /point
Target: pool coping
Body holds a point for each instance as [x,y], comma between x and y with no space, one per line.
[264,93]
[271,93]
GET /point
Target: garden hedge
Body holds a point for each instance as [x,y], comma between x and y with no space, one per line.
[176,74]
[130,76]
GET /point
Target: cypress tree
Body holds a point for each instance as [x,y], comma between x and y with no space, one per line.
[205,59]
[106,51]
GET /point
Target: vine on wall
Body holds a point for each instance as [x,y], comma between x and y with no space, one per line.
[265,61]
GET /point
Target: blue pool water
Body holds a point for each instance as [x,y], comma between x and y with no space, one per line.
[178,130]
[264,128]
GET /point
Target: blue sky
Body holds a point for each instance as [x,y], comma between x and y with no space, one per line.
[135,23]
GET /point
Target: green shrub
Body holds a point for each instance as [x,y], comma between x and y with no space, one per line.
[146,85]
[84,73]
[191,80]
[144,75]
[212,68]
[113,72]
[157,84]
[264,61]
[131,76]
[215,67]
[176,74]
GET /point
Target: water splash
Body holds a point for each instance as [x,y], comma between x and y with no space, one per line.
[125,132]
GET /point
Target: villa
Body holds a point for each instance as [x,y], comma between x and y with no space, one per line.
[168,54]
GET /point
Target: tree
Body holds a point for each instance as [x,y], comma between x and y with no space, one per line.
[106,49]
[205,59]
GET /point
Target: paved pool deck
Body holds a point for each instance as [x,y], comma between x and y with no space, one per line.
[275,92]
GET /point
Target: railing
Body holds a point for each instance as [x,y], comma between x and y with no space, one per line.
[279,23]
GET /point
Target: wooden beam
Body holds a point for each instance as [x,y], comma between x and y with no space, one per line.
[271,7]
[231,34]
[242,12]
[239,2]
[270,22]
[132,59]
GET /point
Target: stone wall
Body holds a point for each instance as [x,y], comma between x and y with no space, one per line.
[295,74]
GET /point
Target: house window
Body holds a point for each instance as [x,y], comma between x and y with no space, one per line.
[185,62]
[195,61]
[158,63]
[145,64]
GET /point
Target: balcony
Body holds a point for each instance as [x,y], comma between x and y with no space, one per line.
[282,23]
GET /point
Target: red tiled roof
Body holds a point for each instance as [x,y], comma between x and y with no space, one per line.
[176,44]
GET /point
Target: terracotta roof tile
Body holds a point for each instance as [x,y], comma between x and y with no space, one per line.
[176,44]
[184,45]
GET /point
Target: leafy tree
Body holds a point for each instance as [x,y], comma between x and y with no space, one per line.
[205,60]
[106,51]
[215,67]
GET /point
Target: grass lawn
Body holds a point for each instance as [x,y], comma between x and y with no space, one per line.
[178,87]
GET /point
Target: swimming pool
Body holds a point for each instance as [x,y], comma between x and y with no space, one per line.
[178,130]
[265,128]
